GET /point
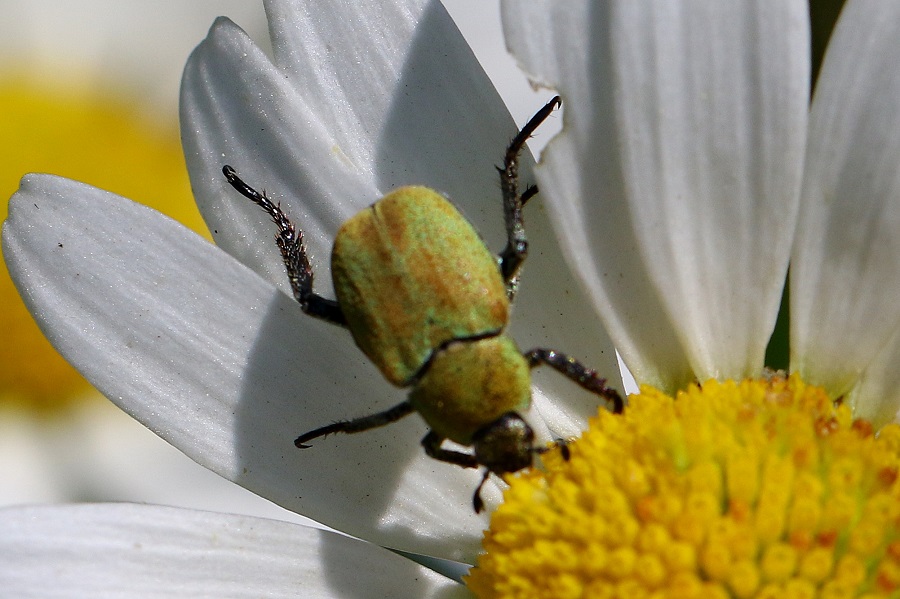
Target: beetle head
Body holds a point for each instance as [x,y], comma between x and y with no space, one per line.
[504,445]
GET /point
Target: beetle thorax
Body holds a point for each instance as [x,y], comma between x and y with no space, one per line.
[469,384]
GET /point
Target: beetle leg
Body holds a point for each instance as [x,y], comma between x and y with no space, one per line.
[586,377]
[357,425]
[432,444]
[293,252]
[516,249]
[529,193]
[477,502]
[561,444]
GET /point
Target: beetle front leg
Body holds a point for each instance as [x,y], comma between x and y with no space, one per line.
[293,252]
[586,377]
[516,249]
[432,444]
[357,425]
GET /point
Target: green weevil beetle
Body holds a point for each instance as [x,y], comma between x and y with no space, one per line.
[428,304]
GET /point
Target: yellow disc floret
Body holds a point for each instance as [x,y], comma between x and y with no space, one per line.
[759,488]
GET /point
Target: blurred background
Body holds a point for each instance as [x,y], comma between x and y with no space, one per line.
[89,91]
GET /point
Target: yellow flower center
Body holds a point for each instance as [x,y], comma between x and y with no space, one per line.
[760,488]
[91,135]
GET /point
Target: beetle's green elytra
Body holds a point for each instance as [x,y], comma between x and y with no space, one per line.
[428,303]
[412,274]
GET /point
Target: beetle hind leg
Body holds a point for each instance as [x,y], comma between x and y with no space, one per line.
[516,249]
[585,377]
[357,425]
[293,252]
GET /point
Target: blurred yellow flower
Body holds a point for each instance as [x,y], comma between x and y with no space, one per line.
[93,134]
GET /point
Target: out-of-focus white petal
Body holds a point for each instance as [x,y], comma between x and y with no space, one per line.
[119,550]
[226,368]
[675,180]
[845,278]
[334,126]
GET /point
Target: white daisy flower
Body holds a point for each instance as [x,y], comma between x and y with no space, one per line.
[678,182]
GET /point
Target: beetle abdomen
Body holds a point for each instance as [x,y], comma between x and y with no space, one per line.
[411,274]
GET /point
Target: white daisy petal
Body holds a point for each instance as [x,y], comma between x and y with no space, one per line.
[876,397]
[331,128]
[340,124]
[116,550]
[401,91]
[675,181]
[238,109]
[227,369]
[845,278]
